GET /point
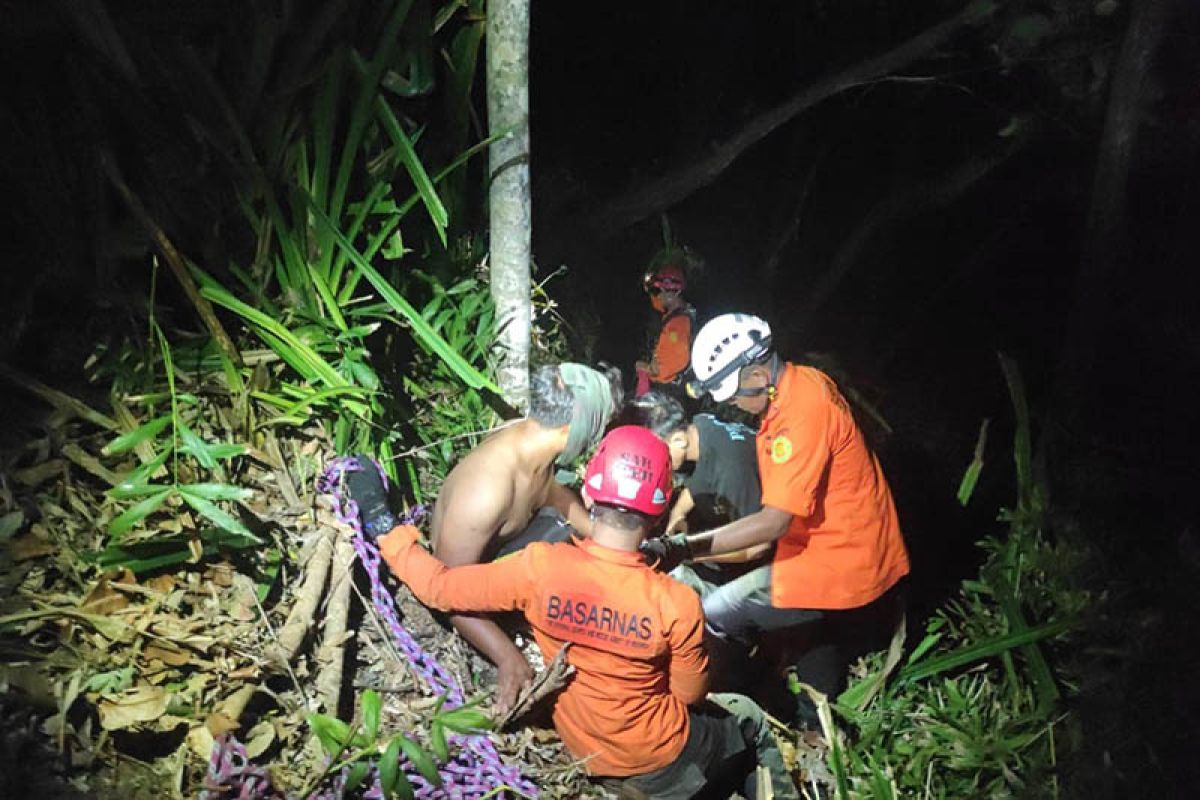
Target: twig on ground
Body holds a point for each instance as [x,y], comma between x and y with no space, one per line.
[60,400]
[331,657]
[384,635]
[308,597]
[545,683]
[287,664]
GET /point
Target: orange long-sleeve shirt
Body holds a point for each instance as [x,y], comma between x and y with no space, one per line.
[636,639]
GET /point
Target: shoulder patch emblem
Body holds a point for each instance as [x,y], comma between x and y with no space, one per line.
[781,449]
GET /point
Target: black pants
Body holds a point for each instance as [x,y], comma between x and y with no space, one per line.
[728,738]
[547,525]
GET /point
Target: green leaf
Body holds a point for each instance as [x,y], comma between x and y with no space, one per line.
[394,249]
[421,760]
[357,774]
[217,516]
[216,491]
[414,167]
[437,740]
[124,491]
[136,513]
[987,648]
[133,481]
[331,732]
[195,446]
[971,477]
[276,335]
[372,705]
[465,719]
[10,523]
[142,433]
[163,552]
[361,114]
[223,450]
[421,329]
[391,778]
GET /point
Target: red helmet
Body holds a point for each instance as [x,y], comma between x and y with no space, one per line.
[667,278]
[631,470]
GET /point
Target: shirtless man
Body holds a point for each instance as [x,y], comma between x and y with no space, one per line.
[489,499]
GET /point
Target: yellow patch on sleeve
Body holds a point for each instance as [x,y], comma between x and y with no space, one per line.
[781,449]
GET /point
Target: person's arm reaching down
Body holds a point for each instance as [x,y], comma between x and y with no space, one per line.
[737,556]
[762,527]
[751,531]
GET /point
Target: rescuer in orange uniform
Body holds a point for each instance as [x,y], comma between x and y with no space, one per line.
[839,554]
[666,366]
[636,635]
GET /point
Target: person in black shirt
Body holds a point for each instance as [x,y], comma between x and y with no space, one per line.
[723,485]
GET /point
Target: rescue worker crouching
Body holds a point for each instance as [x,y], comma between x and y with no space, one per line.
[636,635]
[834,581]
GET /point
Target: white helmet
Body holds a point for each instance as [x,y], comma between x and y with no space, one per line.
[723,346]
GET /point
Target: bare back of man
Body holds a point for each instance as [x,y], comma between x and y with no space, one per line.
[489,498]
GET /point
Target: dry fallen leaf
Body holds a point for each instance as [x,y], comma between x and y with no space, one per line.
[140,704]
[29,545]
[103,599]
[218,723]
[168,654]
[260,737]
[200,741]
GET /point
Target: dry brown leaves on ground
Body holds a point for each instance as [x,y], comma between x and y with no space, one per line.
[130,670]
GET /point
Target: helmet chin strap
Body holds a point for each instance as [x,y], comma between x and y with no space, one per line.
[769,390]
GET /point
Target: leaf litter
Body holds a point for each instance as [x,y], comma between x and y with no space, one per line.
[128,657]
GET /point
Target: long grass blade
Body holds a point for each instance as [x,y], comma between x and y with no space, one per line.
[989,648]
[388,228]
[319,367]
[362,112]
[421,329]
[975,468]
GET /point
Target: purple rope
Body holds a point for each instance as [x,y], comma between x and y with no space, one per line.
[473,772]
[477,768]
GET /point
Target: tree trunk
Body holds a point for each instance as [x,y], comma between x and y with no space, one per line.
[1106,243]
[508,197]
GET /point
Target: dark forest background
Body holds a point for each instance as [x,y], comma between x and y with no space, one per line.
[1030,184]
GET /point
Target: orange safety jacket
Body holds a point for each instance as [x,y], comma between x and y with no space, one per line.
[672,349]
[843,548]
[637,639]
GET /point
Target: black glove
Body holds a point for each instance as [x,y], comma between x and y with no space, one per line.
[365,487]
[666,552]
